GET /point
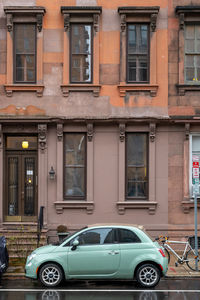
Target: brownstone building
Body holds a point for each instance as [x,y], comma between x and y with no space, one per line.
[98,112]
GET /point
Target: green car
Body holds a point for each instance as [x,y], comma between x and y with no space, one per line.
[100,252]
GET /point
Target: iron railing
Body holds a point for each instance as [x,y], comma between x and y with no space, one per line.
[40,224]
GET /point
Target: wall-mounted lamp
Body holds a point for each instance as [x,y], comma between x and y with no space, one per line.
[52,174]
[25,144]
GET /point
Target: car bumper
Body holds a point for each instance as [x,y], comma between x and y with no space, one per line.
[31,271]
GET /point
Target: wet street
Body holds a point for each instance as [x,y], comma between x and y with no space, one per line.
[173,289]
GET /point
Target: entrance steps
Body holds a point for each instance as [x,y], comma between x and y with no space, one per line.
[21,241]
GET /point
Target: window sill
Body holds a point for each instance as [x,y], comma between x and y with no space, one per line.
[66,89]
[61,205]
[151,88]
[122,206]
[187,205]
[10,88]
[182,88]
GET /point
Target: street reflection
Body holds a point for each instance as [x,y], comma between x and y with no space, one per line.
[97,295]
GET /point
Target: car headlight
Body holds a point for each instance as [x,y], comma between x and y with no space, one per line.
[31,256]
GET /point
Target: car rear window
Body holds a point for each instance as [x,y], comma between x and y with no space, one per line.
[128,236]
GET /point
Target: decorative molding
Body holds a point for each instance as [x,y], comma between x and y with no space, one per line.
[152,132]
[151,88]
[9,22]
[123,22]
[122,130]
[66,22]
[96,22]
[60,132]
[10,88]
[42,136]
[67,88]
[181,21]
[150,205]
[86,12]
[187,131]
[39,18]
[188,205]
[36,12]
[128,13]
[61,205]
[153,22]
[182,88]
[90,132]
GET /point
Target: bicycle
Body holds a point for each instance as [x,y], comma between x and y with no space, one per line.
[189,257]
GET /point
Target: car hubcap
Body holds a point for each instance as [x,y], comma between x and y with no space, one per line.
[50,275]
[148,276]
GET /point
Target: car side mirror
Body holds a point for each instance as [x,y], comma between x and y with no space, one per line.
[74,245]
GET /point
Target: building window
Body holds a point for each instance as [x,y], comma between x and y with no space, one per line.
[75,166]
[192,53]
[138,57]
[138,53]
[194,156]
[136,166]
[24,49]
[189,49]
[24,53]
[81,53]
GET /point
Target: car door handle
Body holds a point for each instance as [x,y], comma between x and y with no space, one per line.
[113,252]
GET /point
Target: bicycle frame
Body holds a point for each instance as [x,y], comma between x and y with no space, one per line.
[180,258]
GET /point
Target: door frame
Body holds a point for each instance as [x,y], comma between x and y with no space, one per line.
[21,154]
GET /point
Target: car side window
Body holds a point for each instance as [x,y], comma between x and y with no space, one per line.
[95,237]
[128,236]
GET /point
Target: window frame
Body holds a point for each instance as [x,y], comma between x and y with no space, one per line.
[146,55]
[81,15]
[83,198]
[139,15]
[187,15]
[128,198]
[194,54]
[24,14]
[92,55]
[15,54]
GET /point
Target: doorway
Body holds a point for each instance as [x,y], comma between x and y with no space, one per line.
[20,181]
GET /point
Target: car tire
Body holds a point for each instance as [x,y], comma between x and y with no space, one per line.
[148,275]
[50,275]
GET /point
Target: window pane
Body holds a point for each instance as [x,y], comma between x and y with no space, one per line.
[196,144]
[136,149]
[131,39]
[81,59]
[190,74]
[190,32]
[25,56]
[75,157]
[96,236]
[127,236]
[137,56]
[74,182]
[143,39]
[136,165]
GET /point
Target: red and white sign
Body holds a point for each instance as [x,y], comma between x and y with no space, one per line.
[195,164]
[195,172]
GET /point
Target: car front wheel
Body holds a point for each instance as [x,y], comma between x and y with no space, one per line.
[148,275]
[50,275]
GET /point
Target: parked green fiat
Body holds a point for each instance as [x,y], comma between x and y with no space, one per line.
[100,252]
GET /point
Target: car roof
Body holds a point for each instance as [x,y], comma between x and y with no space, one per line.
[116,225]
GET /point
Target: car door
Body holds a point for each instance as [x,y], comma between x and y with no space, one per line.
[97,254]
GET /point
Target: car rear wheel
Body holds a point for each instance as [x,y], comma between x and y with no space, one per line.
[50,275]
[148,275]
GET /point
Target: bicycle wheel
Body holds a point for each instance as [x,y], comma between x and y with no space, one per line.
[190,259]
[167,254]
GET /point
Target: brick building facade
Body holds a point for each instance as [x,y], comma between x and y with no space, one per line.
[96,117]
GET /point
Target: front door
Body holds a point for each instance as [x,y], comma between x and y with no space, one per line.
[20,185]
